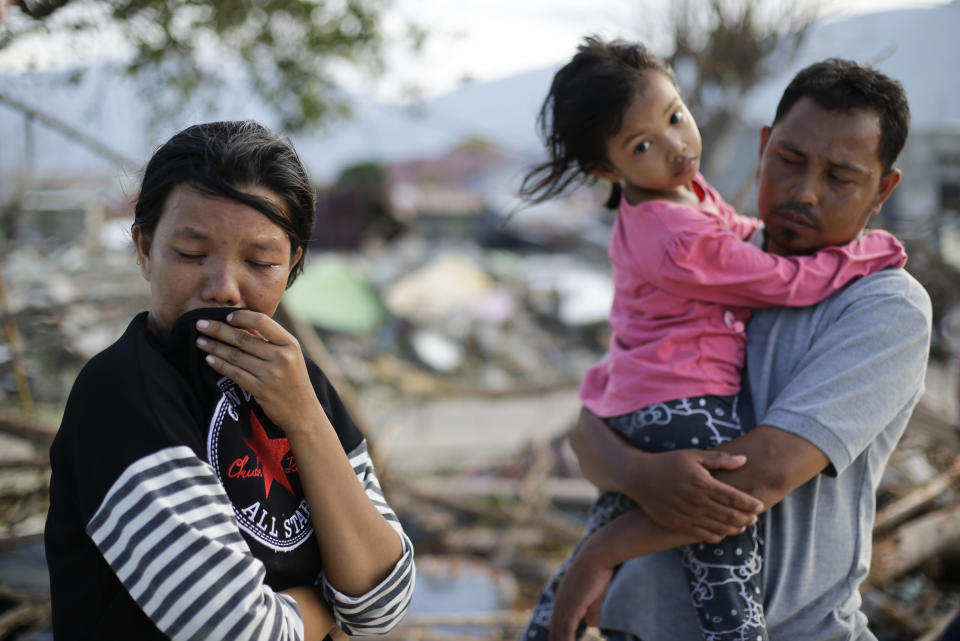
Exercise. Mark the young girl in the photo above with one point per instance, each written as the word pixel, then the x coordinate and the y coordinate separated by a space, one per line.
pixel 685 275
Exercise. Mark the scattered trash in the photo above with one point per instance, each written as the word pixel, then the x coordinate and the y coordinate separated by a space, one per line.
pixel 459 359
pixel 437 351
pixel 335 295
pixel 441 289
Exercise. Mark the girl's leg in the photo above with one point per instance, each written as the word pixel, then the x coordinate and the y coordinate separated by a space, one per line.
pixel 726 586
pixel 726 578
pixel 608 506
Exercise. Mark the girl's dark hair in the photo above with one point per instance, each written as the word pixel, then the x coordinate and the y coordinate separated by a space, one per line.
pixel 222 159
pixel 584 107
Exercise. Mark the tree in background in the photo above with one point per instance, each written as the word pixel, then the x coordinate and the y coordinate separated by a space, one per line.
pixel 289 51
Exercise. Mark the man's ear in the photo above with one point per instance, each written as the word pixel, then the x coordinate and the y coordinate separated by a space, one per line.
pixel 142 244
pixel 764 137
pixel 887 182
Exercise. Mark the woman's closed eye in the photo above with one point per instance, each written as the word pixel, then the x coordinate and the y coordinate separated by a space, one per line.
pixel 260 265
pixel 186 255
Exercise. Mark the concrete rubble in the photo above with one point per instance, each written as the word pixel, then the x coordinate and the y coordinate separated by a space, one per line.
pixel 463 361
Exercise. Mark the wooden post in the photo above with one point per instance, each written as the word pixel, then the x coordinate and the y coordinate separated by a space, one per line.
pixel 13 338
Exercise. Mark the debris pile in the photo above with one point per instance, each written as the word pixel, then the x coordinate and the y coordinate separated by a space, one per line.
pixel 525 516
pixel 483 318
pixel 913 590
pixel 24 487
pixel 427 341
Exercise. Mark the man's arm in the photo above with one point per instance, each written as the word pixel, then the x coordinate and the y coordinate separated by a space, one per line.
pixel 675 488
pixel 777 462
pixel 864 367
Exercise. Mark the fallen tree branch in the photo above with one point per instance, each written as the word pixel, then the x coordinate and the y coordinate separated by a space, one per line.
pixel 570 491
pixel 891 609
pixel 939 624
pixel 479 505
pixel 32 611
pixel 37 432
pixel 12 542
pixel 905 507
pixel 913 543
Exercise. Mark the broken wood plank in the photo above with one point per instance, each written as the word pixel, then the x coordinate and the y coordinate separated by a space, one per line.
pixel 480 506
pixel 16 351
pixel 569 491
pixel 495 617
pixel 905 507
pixel 18 483
pixel 31 610
pixel 529 499
pixel 939 624
pixel 37 432
pixel 489 541
pixel 894 611
pixel 499 624
pixel 10 542
pixel 29 464
pixel 913 543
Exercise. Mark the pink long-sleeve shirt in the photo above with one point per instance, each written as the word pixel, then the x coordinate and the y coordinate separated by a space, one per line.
pixel 684 280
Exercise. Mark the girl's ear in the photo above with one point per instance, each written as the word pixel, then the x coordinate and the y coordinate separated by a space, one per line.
pixel 607 172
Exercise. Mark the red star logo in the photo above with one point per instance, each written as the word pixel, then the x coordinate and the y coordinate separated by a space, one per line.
pixel 270 453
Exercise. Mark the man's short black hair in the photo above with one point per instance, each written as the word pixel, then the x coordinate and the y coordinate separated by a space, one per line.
pixel 836 84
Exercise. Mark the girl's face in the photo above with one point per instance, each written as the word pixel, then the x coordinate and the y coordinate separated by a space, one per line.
pixel 656 152
pixel 213 252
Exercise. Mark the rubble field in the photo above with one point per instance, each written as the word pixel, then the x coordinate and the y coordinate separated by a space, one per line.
pixel 460 362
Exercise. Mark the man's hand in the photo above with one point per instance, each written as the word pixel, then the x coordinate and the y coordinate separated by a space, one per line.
pixel 677 490
pixel 674 488
pixel 579 595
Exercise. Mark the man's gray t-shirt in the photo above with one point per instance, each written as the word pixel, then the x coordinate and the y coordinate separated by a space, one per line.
pixel 845 375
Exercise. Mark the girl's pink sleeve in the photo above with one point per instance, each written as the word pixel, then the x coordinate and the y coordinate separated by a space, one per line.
pixel 742 226
pixel 705 262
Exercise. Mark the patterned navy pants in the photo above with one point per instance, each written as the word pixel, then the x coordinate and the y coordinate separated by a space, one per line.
pixel 725 579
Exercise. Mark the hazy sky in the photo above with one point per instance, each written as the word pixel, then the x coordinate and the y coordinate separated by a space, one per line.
pixel 488 39
pixel 469 39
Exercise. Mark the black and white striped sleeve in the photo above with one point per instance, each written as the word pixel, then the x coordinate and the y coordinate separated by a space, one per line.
pixel 167 529
pixel 381 608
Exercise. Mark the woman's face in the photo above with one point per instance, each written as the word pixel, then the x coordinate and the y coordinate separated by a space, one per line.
pixel 213 252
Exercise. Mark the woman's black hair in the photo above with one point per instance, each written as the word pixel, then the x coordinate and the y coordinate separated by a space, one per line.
pixel 584 107
pixel 222 159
